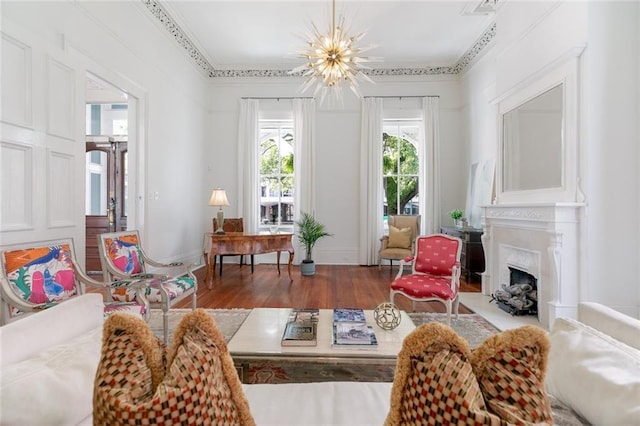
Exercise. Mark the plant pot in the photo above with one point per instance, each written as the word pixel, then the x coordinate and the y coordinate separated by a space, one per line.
pixel 460 223
pixel 307 267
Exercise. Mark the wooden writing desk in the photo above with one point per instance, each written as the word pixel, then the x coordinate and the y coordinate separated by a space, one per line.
pixel 243 243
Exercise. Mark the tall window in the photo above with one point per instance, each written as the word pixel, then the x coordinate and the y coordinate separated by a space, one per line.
pixel 276 174
pixel 400 167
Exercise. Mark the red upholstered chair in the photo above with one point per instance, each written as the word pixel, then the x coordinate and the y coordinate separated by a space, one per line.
pixel 435 274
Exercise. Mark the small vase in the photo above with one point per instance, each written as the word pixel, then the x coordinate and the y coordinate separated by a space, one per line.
pixel 459 223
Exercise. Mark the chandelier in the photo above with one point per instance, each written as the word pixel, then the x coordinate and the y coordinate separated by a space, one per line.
pixel 332 60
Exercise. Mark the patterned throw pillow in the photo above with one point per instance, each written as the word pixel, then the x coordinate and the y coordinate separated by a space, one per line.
pixel 199 385
pixel 439 380
pixel 510 368
pixel 399 238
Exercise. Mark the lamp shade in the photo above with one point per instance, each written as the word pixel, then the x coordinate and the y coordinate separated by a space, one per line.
pixel 218 198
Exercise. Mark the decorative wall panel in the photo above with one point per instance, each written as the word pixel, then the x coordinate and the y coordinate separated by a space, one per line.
pixel 16 82
pixel 61 189
pixel 16 212
pixel 61 100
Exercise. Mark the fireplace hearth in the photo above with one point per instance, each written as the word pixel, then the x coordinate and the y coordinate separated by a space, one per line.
pixel 520 297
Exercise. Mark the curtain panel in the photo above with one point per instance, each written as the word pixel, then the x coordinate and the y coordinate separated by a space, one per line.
pixel 371 196
pixel 430 195
pixel 248 132
pixel 304 128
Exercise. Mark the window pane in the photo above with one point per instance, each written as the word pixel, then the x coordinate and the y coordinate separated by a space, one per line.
pixel 276 174
pixel 96 183
pixel 408 158
pixel 408 192
pixel 270 157
pixel 400 167
pixel 391 194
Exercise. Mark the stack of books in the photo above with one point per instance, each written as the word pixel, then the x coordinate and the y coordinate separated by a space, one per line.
pixel 301 328
pixel 350 329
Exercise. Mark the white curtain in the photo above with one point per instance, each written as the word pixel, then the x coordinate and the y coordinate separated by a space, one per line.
pixel 371 197
pixel 248 132
pixel 430 193
pixel 304 129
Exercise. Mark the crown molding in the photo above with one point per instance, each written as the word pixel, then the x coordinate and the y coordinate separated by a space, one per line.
pixel 159 12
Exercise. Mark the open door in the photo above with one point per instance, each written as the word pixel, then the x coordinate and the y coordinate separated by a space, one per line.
pixel 107 162
pixel 106 207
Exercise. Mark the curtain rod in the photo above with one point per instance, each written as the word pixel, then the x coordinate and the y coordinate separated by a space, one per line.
pixel 277 98
pixel 402 96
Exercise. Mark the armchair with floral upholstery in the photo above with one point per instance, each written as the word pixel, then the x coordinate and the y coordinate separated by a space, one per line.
pixel 123 259
pixel 37 276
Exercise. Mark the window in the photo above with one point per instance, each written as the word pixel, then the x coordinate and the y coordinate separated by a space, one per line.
pixel 276 174
pixel 400 167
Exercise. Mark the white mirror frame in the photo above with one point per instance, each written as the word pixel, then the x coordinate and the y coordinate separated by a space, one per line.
pixel 564 71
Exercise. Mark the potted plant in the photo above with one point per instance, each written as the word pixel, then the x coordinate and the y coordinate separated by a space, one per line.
pixel 309 232
pixel 457 216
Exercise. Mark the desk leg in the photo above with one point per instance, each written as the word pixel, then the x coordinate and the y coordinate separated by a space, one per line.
pixel 290 263
pixel 278 260
pixel 211 269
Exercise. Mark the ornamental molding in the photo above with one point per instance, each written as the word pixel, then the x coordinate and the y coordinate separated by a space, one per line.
pixel 542 213
pixel 155 8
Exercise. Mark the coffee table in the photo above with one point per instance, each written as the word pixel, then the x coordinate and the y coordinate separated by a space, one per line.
pixel 258 339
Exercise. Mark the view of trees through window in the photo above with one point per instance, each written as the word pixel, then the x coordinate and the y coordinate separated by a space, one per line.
pixel 400 167
pixel 276 174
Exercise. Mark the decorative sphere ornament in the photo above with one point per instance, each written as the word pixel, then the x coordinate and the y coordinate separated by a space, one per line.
pixel 387 316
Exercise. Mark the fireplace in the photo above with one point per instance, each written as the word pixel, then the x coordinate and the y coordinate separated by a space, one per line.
pixel 520 297
pixel 540 240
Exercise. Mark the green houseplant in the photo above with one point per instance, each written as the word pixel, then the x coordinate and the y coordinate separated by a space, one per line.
pixel 309 232
pixel 457 216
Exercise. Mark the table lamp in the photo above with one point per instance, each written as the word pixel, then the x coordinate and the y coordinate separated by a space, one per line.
pixel 219 198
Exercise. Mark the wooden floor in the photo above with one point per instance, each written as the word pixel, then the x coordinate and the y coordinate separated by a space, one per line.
pixel 332 286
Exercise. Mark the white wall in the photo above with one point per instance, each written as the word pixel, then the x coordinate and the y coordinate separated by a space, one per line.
pixel 530 36
pixel 612 156
pixel 122 43
pixel 337 151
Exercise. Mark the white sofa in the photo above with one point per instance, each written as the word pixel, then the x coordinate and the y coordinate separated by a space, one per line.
pixel 48 362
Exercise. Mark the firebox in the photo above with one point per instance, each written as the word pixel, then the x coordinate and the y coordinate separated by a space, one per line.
pixel 520 297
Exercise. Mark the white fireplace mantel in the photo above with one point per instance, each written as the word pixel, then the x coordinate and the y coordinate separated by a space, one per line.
pixel 550 233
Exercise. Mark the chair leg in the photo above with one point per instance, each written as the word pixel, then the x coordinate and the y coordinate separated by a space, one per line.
pixel 448 305
pixel 221 262
pixel 165 324
pixel 252 264
pixel 241 260
pixel 456 305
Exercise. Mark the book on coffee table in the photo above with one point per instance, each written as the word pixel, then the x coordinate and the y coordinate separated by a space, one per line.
pixel 348 315
pixel 350 329
pixel 301 328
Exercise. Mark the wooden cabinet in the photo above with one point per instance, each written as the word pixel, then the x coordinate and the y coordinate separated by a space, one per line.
pixel 472 256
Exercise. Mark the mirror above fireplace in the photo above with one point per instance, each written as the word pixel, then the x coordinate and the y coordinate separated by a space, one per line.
pixel 538 136
pixel 532 143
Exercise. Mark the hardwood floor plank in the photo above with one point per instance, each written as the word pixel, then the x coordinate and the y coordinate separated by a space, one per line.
pixel 332 286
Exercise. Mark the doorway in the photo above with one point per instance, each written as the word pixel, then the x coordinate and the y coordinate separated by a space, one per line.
pixel 107 165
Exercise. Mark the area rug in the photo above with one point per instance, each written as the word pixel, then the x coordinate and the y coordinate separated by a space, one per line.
pixel 474 328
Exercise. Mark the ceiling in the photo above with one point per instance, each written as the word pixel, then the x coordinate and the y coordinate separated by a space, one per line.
pixel 240 35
